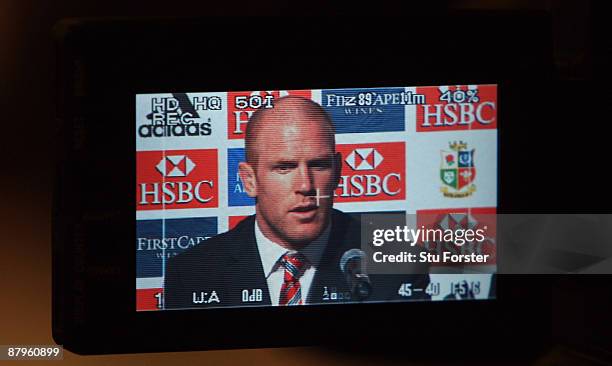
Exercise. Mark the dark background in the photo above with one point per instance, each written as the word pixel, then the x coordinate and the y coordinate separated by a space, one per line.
pixel 578 116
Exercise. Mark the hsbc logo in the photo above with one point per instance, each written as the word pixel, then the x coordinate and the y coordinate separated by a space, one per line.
pixel 177 179
pixel 364 159
pixel 372 172
pixel 175 166
pixel 460 107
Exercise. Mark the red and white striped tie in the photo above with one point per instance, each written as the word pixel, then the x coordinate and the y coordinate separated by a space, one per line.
pixel 291 292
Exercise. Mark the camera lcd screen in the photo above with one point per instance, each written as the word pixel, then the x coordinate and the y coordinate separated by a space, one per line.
pixel 316 197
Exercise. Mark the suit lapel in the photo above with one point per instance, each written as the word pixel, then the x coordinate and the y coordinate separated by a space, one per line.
pixel 245 266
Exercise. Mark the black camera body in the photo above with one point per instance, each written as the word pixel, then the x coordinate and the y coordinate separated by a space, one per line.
pixel 104 64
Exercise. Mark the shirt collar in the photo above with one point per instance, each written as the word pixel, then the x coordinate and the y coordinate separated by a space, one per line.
pixel 270 252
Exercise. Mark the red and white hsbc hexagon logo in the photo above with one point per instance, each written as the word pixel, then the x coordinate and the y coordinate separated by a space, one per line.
pixel 173 179
pixel 456 108
pixel 242 105
pixel 372 172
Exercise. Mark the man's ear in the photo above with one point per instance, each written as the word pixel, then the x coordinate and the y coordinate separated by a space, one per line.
pixel 337 169
pixel 247 175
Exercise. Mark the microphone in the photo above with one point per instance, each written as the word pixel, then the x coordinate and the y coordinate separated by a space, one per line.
pixel 353 268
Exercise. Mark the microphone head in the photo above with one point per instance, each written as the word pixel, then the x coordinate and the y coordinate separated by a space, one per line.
pixel 353 267
pixel 354 254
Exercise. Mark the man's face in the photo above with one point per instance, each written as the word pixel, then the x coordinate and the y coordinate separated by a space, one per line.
pixel 296 163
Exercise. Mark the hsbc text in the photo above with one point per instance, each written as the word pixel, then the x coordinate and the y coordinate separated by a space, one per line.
pixel 458 114
pixel 173 192
pixel 369 185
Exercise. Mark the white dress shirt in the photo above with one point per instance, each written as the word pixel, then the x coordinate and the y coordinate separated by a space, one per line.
pixel 271 253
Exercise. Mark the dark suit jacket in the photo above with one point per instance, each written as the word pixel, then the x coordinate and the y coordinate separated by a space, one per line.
pixel 230 263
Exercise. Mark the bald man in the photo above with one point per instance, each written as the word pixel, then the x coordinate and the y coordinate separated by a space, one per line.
pixel 289 252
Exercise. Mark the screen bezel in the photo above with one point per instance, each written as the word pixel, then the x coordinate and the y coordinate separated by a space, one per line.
pixel 93 323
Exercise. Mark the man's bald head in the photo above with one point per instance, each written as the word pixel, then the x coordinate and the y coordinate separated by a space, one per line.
pixel 287 111
pixel 292 170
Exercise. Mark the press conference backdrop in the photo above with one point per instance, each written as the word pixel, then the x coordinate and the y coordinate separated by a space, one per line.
pixel 429 152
